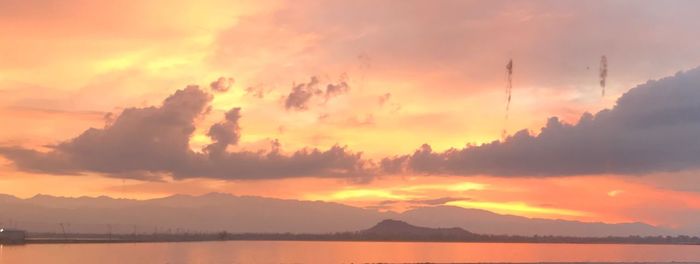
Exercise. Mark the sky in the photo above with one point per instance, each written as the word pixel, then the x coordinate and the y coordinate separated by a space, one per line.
pixel 385 104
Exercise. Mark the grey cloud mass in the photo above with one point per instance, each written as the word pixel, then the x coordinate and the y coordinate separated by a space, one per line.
pixel 147 142
pixel 140 139
pixel 654 127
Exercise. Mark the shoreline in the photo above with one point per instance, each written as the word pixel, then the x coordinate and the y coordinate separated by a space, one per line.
pixel 88 240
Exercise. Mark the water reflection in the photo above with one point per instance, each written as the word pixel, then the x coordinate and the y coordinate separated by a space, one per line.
pixel 339 252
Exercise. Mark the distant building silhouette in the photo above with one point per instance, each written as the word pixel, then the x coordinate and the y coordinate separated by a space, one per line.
pixel 12 236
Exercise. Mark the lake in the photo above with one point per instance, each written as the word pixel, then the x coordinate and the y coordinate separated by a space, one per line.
pixel 340 252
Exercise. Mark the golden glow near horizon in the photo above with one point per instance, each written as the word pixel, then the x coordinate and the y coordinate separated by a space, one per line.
pixel 437 81
pixel 517 208
pixel 365 194
pixel 414 193
pixel 397 192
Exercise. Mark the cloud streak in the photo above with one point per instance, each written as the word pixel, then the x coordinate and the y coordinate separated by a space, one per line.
pixel 603 73
pixel 509 85
pixel 147 142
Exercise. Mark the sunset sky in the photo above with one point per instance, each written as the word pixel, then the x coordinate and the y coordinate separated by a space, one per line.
pixel 388 105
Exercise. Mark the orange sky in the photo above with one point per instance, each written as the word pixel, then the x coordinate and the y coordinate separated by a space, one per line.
pixel 64 65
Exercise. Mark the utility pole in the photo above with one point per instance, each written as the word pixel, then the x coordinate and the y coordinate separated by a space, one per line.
pixel 63 229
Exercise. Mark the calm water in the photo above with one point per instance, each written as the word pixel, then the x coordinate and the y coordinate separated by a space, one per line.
pixel 338 252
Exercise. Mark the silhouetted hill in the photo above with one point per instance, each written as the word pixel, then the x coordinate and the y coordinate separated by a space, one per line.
pixel 400 230
pixel 394 230
pixel 485 222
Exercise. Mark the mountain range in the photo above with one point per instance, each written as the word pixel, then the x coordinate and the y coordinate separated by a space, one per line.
pixel 240 214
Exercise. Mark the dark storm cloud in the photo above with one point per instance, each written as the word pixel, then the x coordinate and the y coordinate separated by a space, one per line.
pixel 146 142
pixel 654 127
